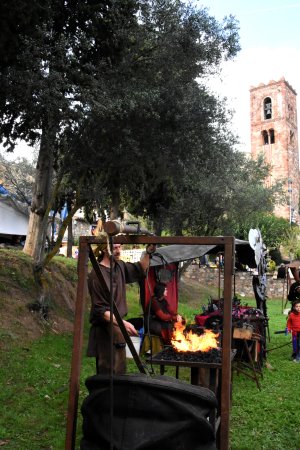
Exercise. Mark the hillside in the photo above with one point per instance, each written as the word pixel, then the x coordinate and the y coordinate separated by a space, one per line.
pixel 18 295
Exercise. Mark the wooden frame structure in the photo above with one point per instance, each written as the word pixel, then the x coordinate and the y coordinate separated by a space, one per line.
pixel 85 243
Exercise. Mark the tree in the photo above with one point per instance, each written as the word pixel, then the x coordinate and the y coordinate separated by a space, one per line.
pixel 193 157
pixel 18 177
pixel 158 116
pixel 273 229
pixel 42 82
pixel 291 242
pixel 251 198
pixel 33 107
pixel 220 192
pixel 107 81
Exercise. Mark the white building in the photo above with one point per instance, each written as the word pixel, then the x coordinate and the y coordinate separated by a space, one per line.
pixel 14 217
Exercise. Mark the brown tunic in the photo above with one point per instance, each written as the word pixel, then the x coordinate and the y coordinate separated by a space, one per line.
pixel 99 337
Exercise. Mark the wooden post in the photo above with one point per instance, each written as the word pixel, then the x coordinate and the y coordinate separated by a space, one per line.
pixel 226 347
pixel 77 346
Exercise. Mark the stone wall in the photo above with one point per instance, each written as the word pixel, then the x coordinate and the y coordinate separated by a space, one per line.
pixel 243 281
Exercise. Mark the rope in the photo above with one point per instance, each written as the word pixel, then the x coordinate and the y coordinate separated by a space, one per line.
pixel 280 346
pixel 111 378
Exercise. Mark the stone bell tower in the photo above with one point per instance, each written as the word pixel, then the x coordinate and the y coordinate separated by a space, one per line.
pixel 274 133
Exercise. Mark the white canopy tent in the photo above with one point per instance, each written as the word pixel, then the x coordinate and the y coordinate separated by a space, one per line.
pixel 14 217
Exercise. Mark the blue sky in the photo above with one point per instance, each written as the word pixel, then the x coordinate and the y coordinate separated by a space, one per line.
pixel 270 41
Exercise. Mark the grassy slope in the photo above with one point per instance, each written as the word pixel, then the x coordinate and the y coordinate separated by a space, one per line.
pixel 18 292
pixel 34 378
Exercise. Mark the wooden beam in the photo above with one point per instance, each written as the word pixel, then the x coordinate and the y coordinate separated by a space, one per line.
pixel 77 345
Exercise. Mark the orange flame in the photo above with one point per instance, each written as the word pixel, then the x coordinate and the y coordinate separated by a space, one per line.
pixel 192 342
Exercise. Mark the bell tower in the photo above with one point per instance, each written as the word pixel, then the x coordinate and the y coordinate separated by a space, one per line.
pixel 274 133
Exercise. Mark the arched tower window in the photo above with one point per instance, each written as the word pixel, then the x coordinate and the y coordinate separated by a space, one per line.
pixel 272 136
pixel 267 108
pixel 265 137
pixel 268 137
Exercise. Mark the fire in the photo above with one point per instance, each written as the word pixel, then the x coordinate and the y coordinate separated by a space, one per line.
pixel 192 342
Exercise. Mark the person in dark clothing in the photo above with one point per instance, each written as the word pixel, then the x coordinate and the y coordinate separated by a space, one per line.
pixel 100 331
pixel 160 318
pixel 281 272
pixel 294 292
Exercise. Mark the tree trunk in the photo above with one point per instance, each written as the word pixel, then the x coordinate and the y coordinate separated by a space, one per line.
pixel 158 226
pixel 178 230
pixel 38 220
pixel 70 239
pixel 61 233
pixel 115 199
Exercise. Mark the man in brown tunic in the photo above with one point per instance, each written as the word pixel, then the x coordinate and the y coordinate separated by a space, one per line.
pixel 99 337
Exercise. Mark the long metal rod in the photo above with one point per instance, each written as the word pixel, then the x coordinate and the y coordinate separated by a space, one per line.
pixel 77 346
pixel 111 379
pixel 219 278
pixel 226 347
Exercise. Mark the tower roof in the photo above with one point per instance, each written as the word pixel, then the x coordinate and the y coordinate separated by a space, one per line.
pixel 273 82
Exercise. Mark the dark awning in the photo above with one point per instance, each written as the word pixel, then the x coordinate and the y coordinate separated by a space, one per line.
pixel 179 253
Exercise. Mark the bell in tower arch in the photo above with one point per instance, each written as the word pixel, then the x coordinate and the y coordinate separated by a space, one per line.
pixel 267 108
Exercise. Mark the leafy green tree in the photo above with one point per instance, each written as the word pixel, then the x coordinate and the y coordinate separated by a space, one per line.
pixel 146 127
pixel 47 83
pixel 183 175
pixel 106 88
pixel 18 177
pixel 273 229
pixel 252 198
pixel 291 242
pixel 221 192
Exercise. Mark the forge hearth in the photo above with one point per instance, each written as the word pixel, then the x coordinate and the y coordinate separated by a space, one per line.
pixel 172 357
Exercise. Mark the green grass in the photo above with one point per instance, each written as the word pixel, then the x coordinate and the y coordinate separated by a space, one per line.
pixel 13 271
pixel 66 267
pixel 268 419
pixel 34 392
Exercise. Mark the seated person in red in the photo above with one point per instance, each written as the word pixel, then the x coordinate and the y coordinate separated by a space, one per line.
pixel 159 319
